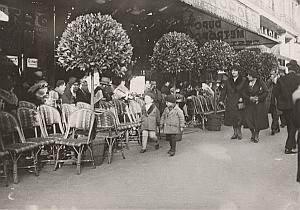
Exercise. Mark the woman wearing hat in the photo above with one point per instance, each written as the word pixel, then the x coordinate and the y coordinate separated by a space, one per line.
pixel 232 95
pixel 69 96
pixel 255 113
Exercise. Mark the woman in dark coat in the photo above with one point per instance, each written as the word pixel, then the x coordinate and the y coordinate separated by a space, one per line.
pixel 231 94
pixel 255 113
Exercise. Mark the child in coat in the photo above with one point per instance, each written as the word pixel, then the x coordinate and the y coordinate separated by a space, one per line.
pixel 149 121
pixel 172 123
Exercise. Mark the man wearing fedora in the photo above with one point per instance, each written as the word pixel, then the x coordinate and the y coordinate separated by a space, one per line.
pixel 105 87
pixel 283 91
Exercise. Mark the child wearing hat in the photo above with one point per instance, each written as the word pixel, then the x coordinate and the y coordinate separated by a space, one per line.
pixel 149 121
pixel 172 123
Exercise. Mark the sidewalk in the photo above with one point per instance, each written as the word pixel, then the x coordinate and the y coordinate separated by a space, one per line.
pixel 209 171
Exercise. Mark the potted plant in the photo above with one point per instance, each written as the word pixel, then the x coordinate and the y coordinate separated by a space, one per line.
pixel 215 56
pixel 95 42
pixel 173 53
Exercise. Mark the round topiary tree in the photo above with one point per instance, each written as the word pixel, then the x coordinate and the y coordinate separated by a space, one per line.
pixel 95 42
pixel 247 60
pixel 173 53
pixel 215 56
pixel 268 62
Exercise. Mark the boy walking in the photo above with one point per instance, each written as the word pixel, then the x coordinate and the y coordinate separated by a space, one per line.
pixel 172 123
pixel 149 121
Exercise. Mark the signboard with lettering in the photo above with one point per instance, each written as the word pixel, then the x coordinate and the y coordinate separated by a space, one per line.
pixel 203 27
pixel 231 10
pixel 4 15
pixel 32 62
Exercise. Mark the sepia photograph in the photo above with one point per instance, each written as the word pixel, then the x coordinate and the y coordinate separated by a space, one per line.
pixel 149 104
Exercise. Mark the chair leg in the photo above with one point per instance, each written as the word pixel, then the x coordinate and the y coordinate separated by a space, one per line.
pixel 15 168
pixel 122 150
pixel 110 143
pixel 5 171
pixel 127 138
pixel 92 156
pixel 57 158
pixel 35 161
pixel 79 160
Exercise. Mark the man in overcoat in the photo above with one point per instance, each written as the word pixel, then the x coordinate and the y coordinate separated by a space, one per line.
pixel 283 91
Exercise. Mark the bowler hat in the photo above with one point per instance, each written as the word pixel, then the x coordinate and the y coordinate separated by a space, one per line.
pixel 171 99
pixel 292 65
pixel 105 81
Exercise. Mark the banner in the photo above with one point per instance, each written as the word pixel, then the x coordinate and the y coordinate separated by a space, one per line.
pixel 231 10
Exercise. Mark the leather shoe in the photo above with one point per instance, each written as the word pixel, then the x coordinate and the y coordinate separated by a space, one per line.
pixel 172 153
pixel 142 150
pixel 290 151
pixel 156 146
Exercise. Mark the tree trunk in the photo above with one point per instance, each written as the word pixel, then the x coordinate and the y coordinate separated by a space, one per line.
pixel 174 85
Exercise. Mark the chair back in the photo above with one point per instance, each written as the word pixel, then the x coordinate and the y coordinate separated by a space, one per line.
pixel 81 119
pixel 51 117
pixel 83 105
pixel 67 110
pixel 106 120
pixel 104 105
pixel 31 118
pixel 27 104
pixel 9 126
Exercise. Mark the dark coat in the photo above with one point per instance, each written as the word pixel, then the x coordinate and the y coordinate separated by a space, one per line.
pixel 256 114
pixel 271 101
pixel 158 99
pixel 284 89
pixel 83 96
pixel 231 93
pixel 150 121
pixel 67 97
pixel 172 120
pixel 296 120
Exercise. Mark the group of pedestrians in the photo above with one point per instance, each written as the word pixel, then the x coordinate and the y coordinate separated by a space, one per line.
pixel 248 101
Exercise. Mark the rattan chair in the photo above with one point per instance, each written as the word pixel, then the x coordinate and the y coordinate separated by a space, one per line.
pixel 16 144
pixel 66 111
pixel 3 161
pixel 83 105
pixel 51 117
pixel 107 129
pixel 83 120
pixel 27 104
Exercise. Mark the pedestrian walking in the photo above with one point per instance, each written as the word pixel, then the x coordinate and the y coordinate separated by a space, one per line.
pixel 149 121
pixel 296 120
pixel 271 102
pixel 172 123
pixel 283 91
pixel 255 113
pixel 231 95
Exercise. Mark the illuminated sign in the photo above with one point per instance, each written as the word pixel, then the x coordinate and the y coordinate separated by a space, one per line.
pixel 32 62
pixel 4 15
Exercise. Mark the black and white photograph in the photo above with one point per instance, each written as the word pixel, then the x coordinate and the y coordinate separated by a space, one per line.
pixel 150 104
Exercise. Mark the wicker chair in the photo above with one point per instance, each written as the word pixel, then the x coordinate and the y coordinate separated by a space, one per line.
pixel 3 161
pixel 82 119
pixel 9 127
pixel 67 110
pixel 27 104
pixel 107 129
pixel 51 117
pixel 83 105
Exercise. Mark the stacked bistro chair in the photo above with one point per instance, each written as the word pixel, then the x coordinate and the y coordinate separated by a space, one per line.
pixel 79 120
pixel 125 121
pixel 15 143
pixel 27 104
pixel 3 162
pixel 66 111
pixel 104 105
pixel 107 129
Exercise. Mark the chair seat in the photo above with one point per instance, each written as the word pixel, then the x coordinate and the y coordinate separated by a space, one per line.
pixel 126 126
pixel 72 142
pixel 106 134
pixel 42 141
pixel 22 147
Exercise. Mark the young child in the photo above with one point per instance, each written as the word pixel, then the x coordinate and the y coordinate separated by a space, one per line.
pixel 172 123
pixel 149 121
